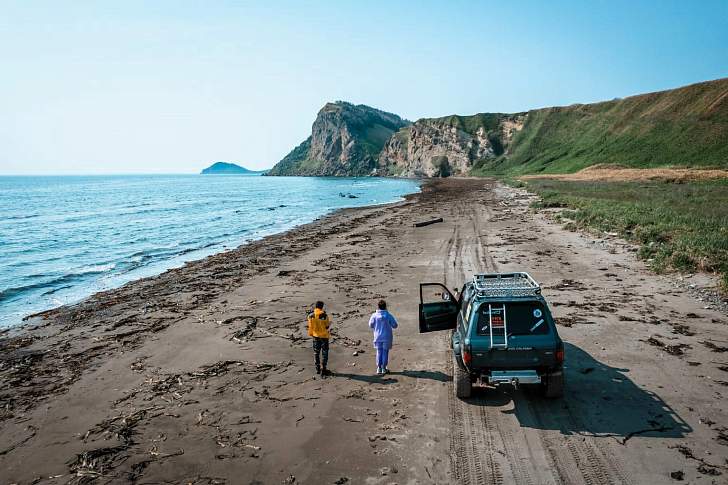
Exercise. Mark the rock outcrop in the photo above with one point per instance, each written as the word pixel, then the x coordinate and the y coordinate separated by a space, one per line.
pixel 345 140
pixel 440 147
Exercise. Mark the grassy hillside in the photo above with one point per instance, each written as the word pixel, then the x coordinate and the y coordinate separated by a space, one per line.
pixel 291 162
pixel 471 124
pixel 681 127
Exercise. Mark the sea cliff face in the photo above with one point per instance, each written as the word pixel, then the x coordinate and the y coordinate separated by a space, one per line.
pixel 345 140
pixel 441 147
pixel 681 127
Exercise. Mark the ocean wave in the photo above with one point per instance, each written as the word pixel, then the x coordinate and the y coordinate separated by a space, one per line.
pixel 9 293
pixel 93 216
pixel 56 290
pixel 54 282
pixel 150 256
pixel 96 268
pixel 198 248
pixel 19 217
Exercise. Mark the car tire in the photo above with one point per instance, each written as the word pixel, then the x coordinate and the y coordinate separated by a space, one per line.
pixel 553 385
pixel 461 380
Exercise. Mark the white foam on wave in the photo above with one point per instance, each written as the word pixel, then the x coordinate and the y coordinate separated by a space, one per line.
pixel 96 268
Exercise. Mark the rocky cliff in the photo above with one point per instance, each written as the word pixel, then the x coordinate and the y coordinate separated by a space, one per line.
pixel 686 127
pixel 440 147
pixel 345 139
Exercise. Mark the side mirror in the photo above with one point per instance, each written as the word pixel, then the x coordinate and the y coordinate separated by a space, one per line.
pixel 445 296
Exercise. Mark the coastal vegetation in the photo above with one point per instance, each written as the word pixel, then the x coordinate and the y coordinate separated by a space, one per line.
pixel 679 226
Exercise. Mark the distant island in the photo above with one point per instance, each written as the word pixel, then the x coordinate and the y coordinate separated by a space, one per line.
pixel 225 168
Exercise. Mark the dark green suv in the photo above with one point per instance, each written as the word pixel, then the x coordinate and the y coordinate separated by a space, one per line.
pixel 503 332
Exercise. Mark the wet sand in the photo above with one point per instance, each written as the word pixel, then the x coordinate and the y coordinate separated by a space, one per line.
pixel 204 374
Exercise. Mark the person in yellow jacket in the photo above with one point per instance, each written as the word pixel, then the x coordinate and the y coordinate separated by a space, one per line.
pixel 318 328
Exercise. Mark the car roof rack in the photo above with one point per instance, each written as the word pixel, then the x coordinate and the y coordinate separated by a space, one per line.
pixel 505 284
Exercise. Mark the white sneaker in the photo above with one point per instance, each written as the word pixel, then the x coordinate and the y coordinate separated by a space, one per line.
pixel 385 370
pixel 380 371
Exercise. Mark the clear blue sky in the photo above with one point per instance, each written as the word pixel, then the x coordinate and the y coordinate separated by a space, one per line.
pixel 170 86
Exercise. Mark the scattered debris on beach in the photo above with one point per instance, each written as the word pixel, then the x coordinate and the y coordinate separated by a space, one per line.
pixel 210 363
pixel 427 223
pixel 674 349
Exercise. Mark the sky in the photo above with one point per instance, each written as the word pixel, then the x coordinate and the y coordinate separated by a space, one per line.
pixel 130 86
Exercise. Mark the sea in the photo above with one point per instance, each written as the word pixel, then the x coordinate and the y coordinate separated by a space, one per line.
pixel 63 238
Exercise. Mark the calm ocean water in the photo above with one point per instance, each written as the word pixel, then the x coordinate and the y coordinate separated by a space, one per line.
pixel 64 238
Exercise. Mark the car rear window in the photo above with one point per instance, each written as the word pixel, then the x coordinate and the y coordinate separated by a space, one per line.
pixel 521 318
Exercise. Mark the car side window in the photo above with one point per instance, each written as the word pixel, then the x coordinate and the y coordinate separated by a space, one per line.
pixel 468 313
pixel 466 295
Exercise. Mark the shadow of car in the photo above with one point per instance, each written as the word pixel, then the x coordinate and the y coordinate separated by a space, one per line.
pixel 599 401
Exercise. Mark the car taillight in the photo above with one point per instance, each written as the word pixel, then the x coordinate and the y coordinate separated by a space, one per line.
pixel 560 356
pixel 467 358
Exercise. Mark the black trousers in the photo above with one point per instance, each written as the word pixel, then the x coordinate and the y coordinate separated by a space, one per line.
pixel 321 351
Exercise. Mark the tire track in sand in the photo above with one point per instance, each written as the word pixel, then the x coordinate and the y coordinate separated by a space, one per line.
pixel 472 435
pixel 472 451
pixel 588 461
pixel 482 435
pixel 520 464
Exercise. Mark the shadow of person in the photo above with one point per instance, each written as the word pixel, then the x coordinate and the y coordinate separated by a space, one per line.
pixel 386 379
pixel 371 379
pixel 599 401
pixel 424 374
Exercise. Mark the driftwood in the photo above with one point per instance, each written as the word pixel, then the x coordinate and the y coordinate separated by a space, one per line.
pixel 427 223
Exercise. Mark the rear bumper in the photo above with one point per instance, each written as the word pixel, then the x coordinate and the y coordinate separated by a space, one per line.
pixel 514 377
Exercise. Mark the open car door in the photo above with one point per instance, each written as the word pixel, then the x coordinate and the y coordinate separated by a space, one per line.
pixel 438 308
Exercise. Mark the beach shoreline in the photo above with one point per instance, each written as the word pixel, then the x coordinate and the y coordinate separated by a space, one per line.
pixel 130 234
pixel 204 373
pixel 27 320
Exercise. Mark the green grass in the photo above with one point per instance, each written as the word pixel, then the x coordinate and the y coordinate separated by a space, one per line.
pixel 403 135
pixel 471 124
pixel 374 137
pixel 513 182
pixel 679 226
pixel 685 127
pixel 293 160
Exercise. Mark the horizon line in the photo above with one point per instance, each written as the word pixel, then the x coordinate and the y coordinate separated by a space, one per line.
pixel 95 174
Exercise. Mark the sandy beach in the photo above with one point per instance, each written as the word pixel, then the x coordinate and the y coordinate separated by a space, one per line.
pixel 204 374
